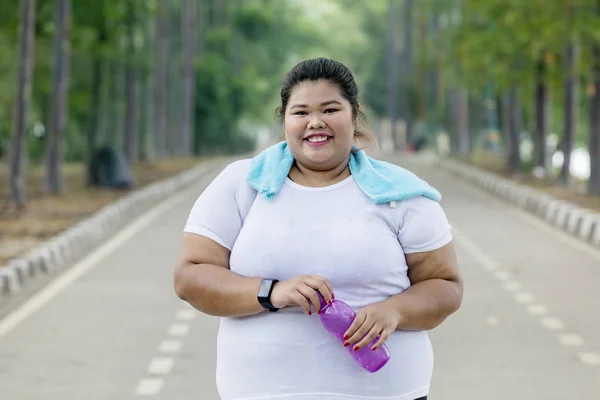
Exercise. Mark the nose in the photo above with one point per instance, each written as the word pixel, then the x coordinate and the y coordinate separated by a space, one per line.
pixel 316 123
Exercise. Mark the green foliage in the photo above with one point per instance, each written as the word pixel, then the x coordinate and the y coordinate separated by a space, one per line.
pixel 247 52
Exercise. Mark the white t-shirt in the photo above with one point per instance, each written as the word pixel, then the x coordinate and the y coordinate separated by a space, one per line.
pixel 336 232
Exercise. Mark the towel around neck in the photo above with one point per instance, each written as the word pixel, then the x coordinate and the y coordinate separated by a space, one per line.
pixel 382 182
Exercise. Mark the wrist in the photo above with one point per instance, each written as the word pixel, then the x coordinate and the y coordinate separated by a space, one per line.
pixel 395 308
pixel 264 295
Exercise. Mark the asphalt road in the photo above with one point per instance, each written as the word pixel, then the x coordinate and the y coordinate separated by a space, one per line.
pixel 112 328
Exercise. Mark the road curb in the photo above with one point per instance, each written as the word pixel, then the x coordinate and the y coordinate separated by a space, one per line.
pixel 579 222
pixel 78 240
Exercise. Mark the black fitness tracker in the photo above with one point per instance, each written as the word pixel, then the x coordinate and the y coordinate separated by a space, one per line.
pixel 264 294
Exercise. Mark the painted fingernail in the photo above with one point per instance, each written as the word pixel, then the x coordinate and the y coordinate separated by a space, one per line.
pixel 346 344
pixel 310 313
pixel 345 337
pixel 355 348
pixel 373 349
pixel 332 296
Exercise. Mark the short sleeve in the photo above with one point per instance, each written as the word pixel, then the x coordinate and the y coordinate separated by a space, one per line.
pixel 215 213
pixel 424 227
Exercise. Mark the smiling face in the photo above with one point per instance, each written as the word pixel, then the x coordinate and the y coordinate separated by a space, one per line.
pixel 319 125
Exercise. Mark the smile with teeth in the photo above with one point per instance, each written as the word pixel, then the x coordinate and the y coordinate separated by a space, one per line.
pixel 317 139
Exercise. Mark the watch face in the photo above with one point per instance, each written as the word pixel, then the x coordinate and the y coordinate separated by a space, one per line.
pixel 265 286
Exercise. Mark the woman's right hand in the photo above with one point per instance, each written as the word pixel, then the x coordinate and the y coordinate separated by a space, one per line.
pixel 301 291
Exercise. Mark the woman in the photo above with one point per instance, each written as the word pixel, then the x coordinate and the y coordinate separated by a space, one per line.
pixel 259 264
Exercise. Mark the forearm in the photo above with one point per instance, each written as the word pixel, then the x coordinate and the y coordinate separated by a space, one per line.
pixel 215 290
pixel 426 304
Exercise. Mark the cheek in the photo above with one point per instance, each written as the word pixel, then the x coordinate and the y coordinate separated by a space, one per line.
pixel 293 125
pixel 342 124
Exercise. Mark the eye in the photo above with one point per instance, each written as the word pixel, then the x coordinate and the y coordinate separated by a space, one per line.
pixel 300 113
pixel 330 110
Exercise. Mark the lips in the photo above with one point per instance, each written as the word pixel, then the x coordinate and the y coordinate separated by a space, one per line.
pixel 318 137
pixel 318 140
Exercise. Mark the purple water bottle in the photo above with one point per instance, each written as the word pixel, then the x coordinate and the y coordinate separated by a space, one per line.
pixel 337 318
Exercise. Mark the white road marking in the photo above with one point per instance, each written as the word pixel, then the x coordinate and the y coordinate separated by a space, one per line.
pixel 502 275
pixel 524 297
pixel 170 346
pixel 64 280
pixel 161 365
pixel 149 387
pixel 548 322
pixel 179 330
pixel 570 339
pixel 537 310
pixel 590 358
pixel 552 323
pixel 186 315
pixel 512 286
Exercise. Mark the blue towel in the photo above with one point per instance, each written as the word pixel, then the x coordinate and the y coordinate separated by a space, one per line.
pixel 381 181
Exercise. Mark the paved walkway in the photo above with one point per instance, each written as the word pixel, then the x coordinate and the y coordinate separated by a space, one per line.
pixel 112 328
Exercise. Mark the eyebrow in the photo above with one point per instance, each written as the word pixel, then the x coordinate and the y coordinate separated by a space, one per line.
pixel 322 104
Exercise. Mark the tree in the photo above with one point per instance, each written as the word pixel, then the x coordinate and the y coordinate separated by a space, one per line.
pixel 594 115
pixel 130 142
pixel 161 78
pixel 58 106
pixel 189 34
pixel 22 103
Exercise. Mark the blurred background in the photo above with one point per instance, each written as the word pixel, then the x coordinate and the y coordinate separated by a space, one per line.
pixel 507 85
pixel 101 97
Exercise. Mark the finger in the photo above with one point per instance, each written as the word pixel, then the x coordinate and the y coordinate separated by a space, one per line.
pixel 383 337
pixel 301 301
pixel 310 294
pixel 357 323
pixel 371 335
pixel 360 332
pixel 321 284
pixel 329 289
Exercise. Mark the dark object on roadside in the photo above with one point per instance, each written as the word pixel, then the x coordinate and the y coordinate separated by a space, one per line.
pixel 109 168
pixel 419 143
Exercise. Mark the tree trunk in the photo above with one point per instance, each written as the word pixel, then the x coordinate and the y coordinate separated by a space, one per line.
pixel 59 106
pixel 160 79
pixel 433 83
pixel 542 108
pixel 145 127
pixel 594 118
pixel 392 73
pixel 174 79
pixel 96 99
pixel 407 73
pixel 570 116
pixel 189 34
pixel 131 77
pixel 452 107
pixel 22 104
pixel 513 130
pixel 462 122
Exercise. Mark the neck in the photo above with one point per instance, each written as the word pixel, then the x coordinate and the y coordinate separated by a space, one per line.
pixel 308 177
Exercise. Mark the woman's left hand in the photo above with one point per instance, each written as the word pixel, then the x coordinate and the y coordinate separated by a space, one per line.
pixel 378 319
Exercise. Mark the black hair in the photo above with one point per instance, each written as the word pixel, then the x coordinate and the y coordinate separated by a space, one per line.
pixel 329 70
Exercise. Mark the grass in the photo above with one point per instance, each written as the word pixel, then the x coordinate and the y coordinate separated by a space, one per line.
pixel 45 216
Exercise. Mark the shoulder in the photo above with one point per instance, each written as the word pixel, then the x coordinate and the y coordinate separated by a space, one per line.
pixel 235 178
pixel 238 170
pixel 420 204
